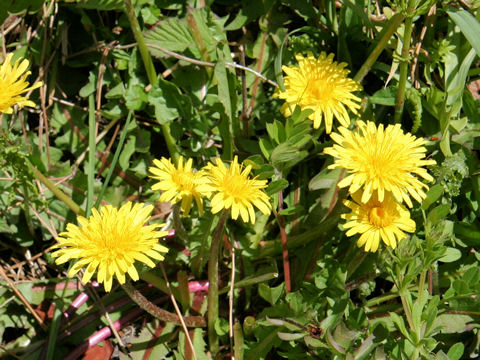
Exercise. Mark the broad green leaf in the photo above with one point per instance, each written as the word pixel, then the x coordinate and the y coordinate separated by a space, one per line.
pixel 469 233
pixel 469 26
pixel 433 195
pixel 438 213
pixel 325 179
pixel 456 351
pixel 451 255
pixel 384 96
pixel 276 186
pixel 172 34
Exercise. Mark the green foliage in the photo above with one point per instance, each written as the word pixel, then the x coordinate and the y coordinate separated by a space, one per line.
pixel 417 301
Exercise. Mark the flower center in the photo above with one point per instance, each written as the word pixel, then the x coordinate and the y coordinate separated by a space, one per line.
pixel 319 89
pixel 378 217
pixel 234 185
pixel 184 180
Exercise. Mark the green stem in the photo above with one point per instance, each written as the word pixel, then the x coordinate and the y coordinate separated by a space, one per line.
pixel 212 298
pixel 91 154
pixel 142 47
pixel 154 310
pixel 119 149
pixel 26 209
pixel 177 223
pixel 152 75
pixel 238 341
pixel 402 82
pixel 56 191
pixel 384 35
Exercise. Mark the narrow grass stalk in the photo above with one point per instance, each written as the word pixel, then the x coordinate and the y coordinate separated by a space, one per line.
pixel 402 82
pixel 123 135
pixel 175 305
pixel 152 75
pixel 56 191
pixel 212 307
pixel 92 149
pixel 384 35
pixel 26 208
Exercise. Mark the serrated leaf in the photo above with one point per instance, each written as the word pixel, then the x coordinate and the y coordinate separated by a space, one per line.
pixel 172 34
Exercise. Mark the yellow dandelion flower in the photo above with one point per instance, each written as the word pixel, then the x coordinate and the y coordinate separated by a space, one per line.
pixel 13 82
pixel 177 183
pixel 233 188
pixel 375 220
pixel 321 85
pixel 111 241
pixel 381 159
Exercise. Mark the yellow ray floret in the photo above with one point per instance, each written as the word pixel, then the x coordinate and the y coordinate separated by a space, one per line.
pixel 322 85
pixel 387 220
pixel 378 159
pixel 233 188
pixel 110 241
pixel 13 82
pixel 178 183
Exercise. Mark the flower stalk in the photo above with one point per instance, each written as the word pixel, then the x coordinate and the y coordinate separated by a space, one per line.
pixel 56 191
pixel 402 82
pixel 386 34
pixel 212 298
pixel 154 310
pixel 150 69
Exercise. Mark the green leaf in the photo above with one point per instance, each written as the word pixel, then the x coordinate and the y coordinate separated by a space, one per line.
pixel 469 26
pixel 266 147
pixel 172 34
pixel 451 255
pixel 384 96
pixel 290 336
pixel 456 351
pixel 292 210
pixel 325 179
pixel 285 156
pixel 276 186
pixel 270 294
pixel 438 213
pixel 98 4
pixel 169 102
pixel 469 233
pixel 433 195
pixel 135 97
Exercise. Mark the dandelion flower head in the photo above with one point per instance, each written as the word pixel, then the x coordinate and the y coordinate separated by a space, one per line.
pixel 178 183
pixel 13 82
pixel 233 188
pixel 111 240
pixel 374 220
pixel 382 160
pixel 322 85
